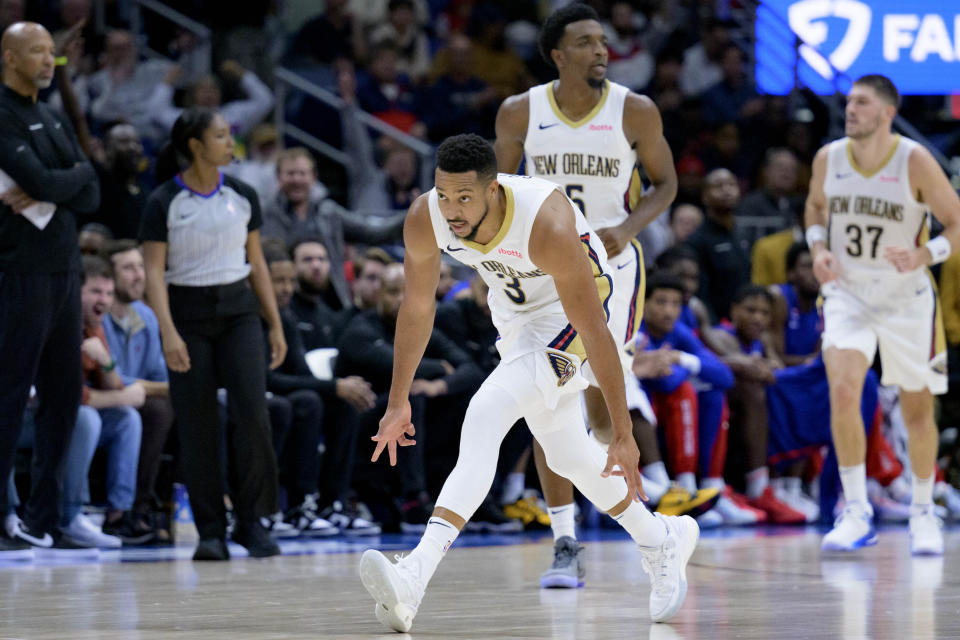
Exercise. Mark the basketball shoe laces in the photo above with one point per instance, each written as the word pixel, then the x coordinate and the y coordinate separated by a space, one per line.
pixel 411 577
pixel 563 556
pixel 656 563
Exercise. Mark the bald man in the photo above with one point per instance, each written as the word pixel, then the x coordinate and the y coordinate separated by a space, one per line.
pixel 723 257
pixel 40 325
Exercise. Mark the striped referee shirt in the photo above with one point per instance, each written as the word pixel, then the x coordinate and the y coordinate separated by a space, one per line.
pixel 206 233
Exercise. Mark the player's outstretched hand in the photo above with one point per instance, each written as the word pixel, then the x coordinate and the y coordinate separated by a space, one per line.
pixel 906 260
pixel 623 453
pixel 395 426
pixel 826 267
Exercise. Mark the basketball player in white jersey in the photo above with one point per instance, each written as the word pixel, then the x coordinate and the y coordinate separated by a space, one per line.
pixel 587 135
pixel 549 282
pixel 866 217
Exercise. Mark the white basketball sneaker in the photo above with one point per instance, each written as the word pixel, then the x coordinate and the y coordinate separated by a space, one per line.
pixel 852 529
pixel 397 588
pixel 926 537
pixel 667 565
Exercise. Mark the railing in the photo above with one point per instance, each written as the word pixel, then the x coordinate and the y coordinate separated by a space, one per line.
pixel 201 32
pixel 286 79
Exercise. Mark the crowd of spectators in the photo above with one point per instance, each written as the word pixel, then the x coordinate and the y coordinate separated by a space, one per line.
pixel 730 322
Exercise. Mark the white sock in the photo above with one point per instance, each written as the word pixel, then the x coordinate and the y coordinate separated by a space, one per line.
pixel 687 481
pixel 562 521
pixel 714 483
pixel 922 491
pixel 793 485
pixel 513 487
pixel 642 525
pixel 438 537
pixel 657 471
pixel 854 481
pixel 757 482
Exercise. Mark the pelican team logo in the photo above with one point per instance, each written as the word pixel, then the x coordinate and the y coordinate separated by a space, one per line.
pixel 808 19
pixel 562 366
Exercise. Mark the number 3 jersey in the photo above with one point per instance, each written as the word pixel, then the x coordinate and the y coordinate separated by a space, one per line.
pixel 524 303
pixel 872 211
pixel 590 158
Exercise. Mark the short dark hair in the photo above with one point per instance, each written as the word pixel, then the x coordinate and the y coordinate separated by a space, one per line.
pixel 882 85
pixel 302 240
pixel 400 4
pixel 663 280
pixel 176 155
pixel 796 250
pixel 374 254
pixel 556 24
pixel 96 267
pixel 677 253
pixel 274 250
pixel 465 153
pixel 115 247
pixel 752 291
pixel 97 228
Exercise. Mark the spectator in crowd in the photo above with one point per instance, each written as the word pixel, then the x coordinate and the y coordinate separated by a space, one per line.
pixel 319 324
pixel 686 382
pixel 796 325
pixel 366 349
pixel 664 87
pixel 684 220
pixel 753 364
pixel 402 30
pixel 724 261
pixel 242 115
pixel 333 35
pixel 205 278
pixel 298 400
pixel 302 209
pixel 318 327
pixel 123 89
pixel 372 13
pixel 123 189
pixel 734 98
pixel 460 102
pixel 107 418
pixel 39 265
pixel 774 207
pixel 369 280
pixel 93 238
pixel 375 189
pixel 629 63
pixel 133 335
pixel 259 168
pixel 387 93
pixel 701 62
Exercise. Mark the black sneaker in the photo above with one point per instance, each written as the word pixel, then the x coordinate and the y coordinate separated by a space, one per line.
pixel 17 528
pixel 490 518
pixel 212 549
pixel 255 538
pixel 348 522
pixel 14 549
pixel 132 529
pixel 414 516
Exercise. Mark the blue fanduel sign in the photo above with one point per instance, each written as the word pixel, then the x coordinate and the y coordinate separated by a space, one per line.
pixel 915 43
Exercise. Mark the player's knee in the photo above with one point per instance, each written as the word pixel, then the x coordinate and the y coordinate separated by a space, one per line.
pixel 845 396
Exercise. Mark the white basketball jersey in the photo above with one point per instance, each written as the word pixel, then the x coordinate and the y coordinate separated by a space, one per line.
pixel 871 211
pixel 524 303
pixel 591 159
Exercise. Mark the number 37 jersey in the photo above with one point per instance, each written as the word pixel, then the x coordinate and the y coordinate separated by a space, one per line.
pixel 871 211
pixel 524 303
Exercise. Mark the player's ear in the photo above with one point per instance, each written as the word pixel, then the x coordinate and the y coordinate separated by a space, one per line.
pixel 557 56
pixel 492 189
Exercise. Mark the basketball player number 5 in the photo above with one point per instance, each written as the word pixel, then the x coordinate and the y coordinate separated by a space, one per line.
pixel 575 190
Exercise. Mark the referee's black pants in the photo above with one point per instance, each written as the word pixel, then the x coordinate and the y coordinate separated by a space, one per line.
pixel 224 337
pixel 40 336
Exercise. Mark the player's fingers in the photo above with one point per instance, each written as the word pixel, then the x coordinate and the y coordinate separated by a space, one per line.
pixel 410 430
pixel 638 485
pixel 378 450
pixel 607 469
pixel 392 452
